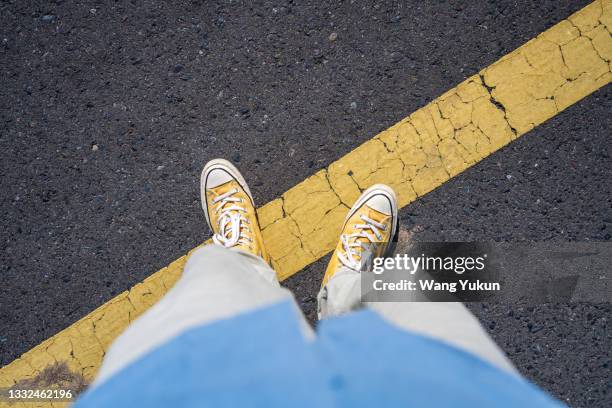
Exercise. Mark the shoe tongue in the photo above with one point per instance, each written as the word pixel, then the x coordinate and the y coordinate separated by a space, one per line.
pixel 230 219
pixel 363 256
pixel 244 232
pixel 367 246
pixel 362 240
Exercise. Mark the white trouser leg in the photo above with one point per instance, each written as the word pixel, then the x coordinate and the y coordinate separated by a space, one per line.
pixel 450 322
pixel 340 295
pixel 217 283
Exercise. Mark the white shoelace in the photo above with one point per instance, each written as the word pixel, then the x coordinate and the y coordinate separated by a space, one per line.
pixel 231 221
pixel 353 247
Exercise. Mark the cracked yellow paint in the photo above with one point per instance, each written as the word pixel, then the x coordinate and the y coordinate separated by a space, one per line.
pixel 270 213
pixel 461 127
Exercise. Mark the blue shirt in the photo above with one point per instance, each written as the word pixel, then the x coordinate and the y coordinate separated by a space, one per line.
pixel 261 359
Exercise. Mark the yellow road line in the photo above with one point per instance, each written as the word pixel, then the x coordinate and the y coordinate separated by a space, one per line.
pixel 466 124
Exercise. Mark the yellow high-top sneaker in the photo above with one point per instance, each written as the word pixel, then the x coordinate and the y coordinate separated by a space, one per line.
pixel 229 208
pixel 371 224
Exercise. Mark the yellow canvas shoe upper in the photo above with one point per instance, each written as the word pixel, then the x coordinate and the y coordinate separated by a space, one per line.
pixel 231 214
pixel 365 229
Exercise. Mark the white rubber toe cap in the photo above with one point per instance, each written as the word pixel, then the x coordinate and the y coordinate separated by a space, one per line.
pixel 217 177
pixel 380 203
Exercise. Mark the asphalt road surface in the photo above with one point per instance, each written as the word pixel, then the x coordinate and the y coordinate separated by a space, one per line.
pixel 108 111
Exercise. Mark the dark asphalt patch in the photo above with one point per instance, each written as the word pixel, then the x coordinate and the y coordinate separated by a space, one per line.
pixel 108 111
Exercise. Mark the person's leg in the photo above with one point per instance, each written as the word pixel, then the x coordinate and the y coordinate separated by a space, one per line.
pixel 218 282
pixel 341 294
pixel 448 322
pixel 371 225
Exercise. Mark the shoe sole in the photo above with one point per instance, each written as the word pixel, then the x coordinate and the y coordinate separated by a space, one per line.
pixel 232 170
pixel 390 195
